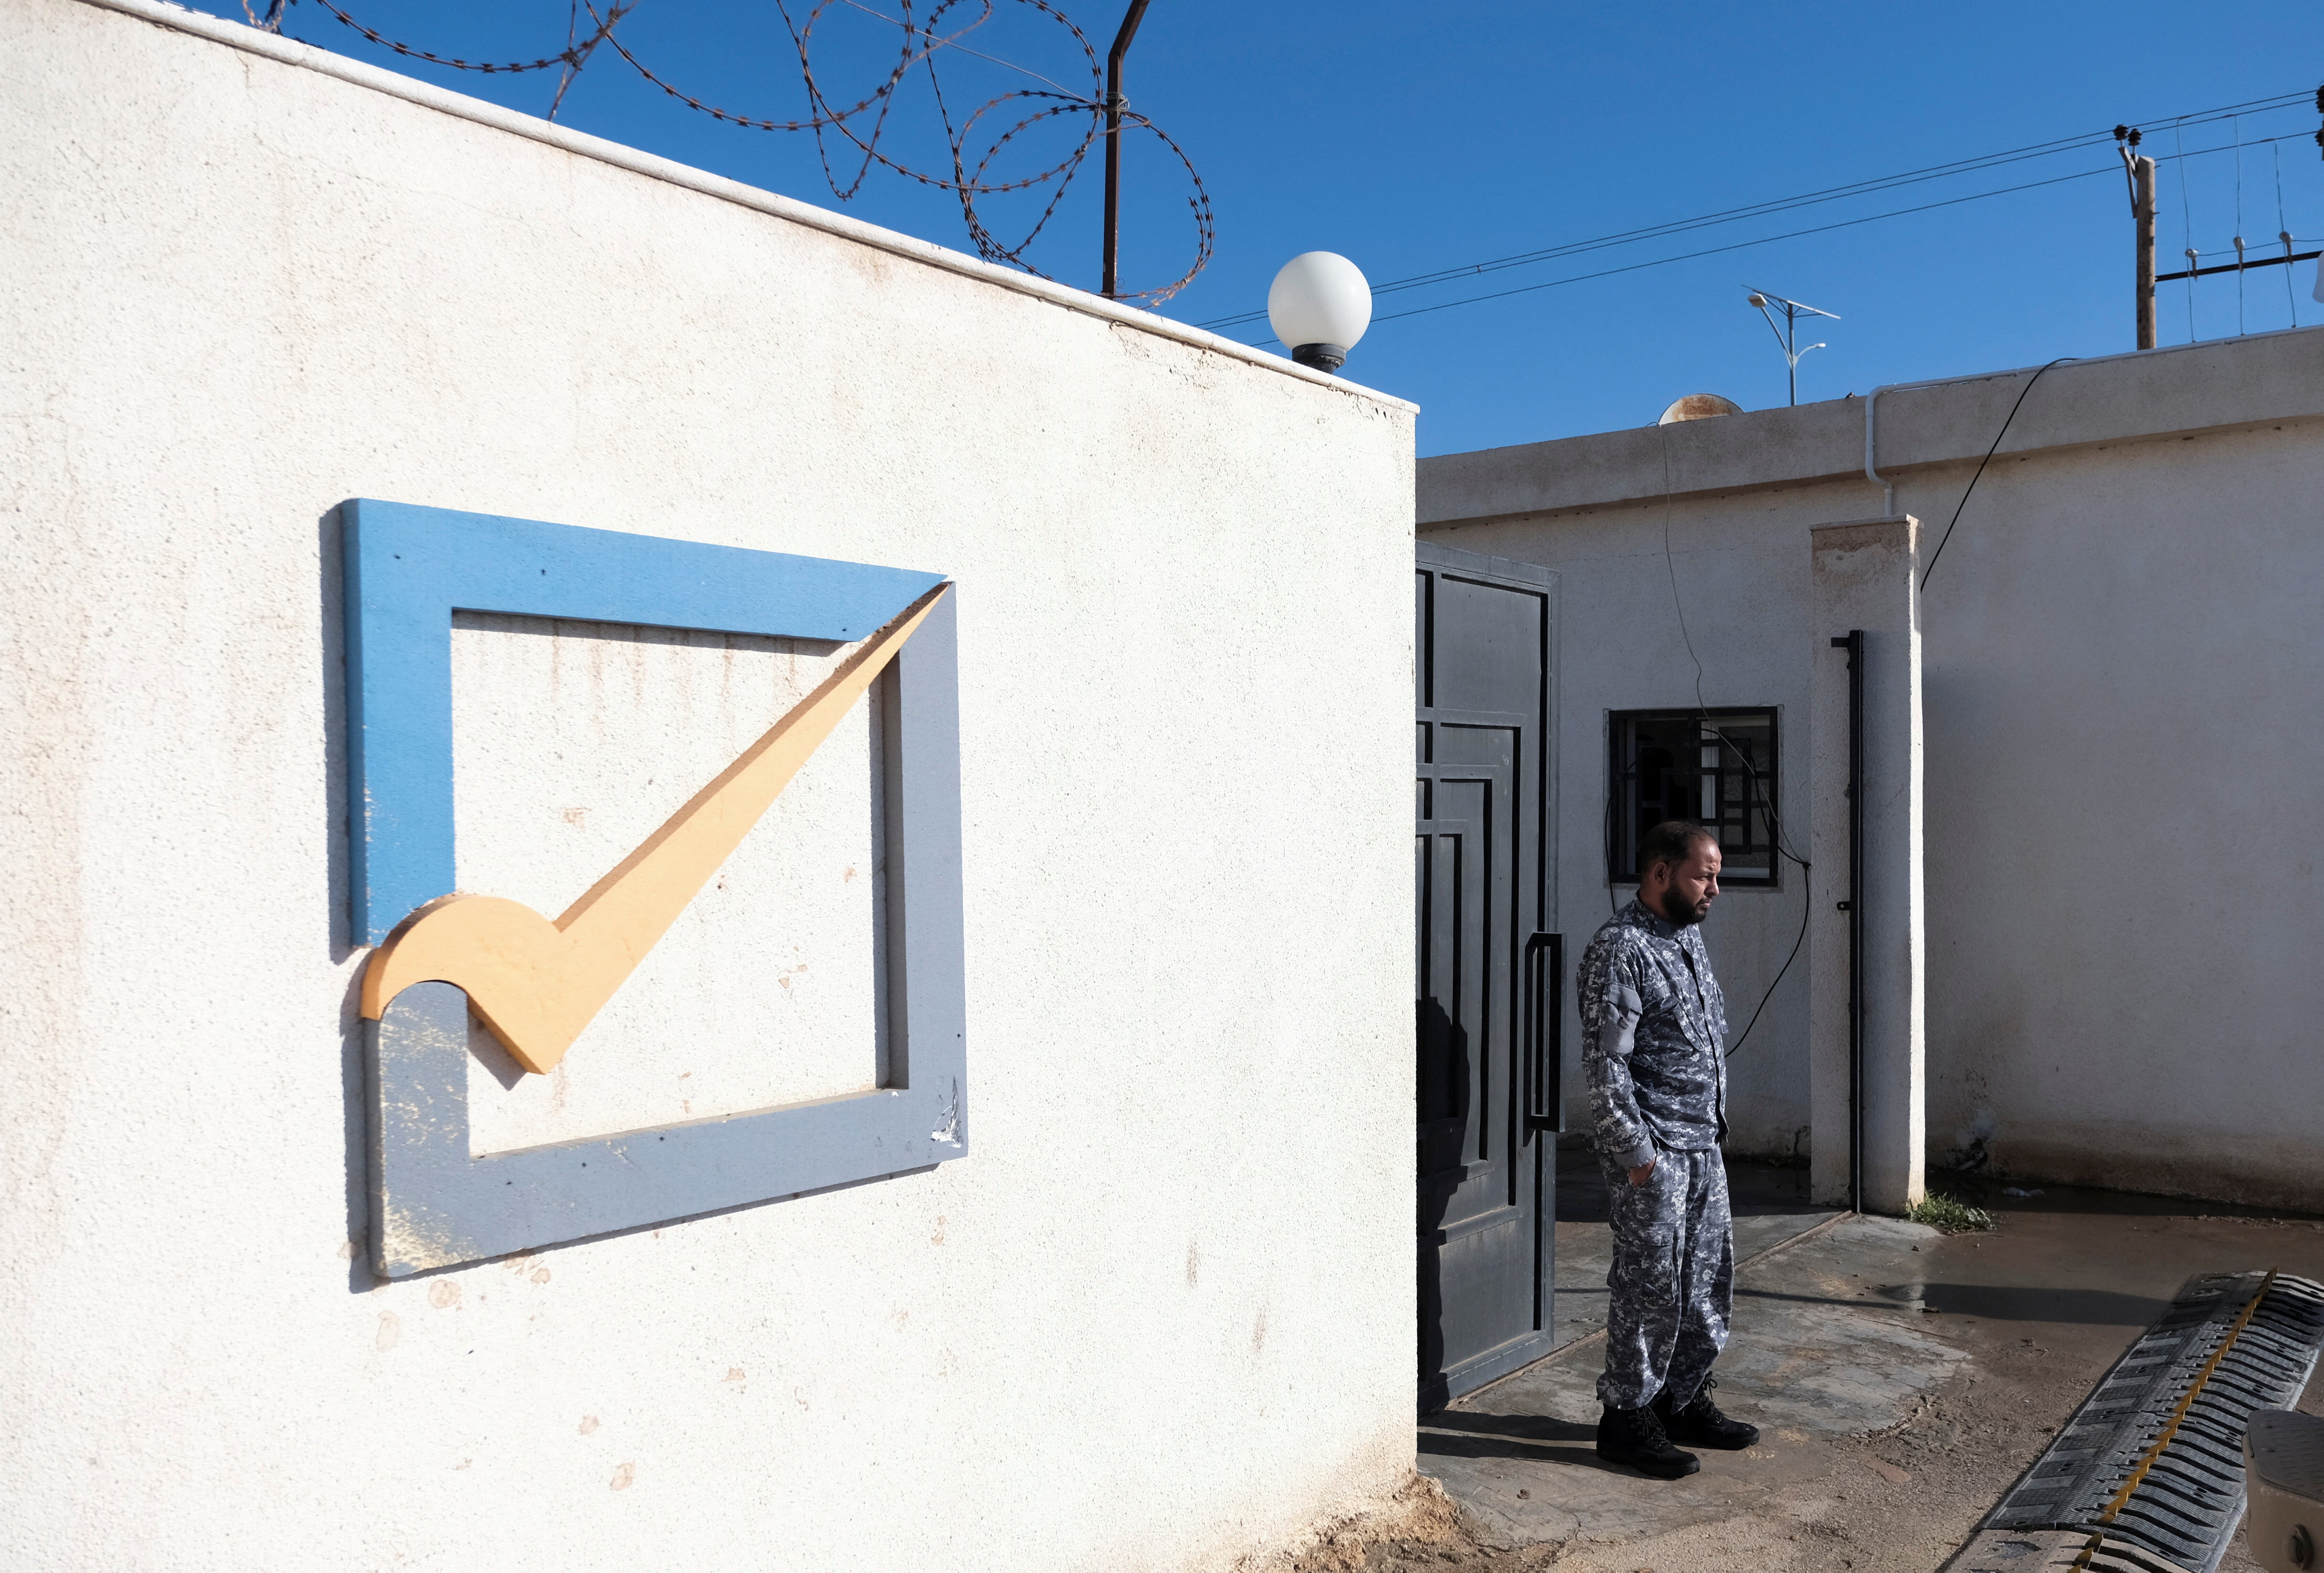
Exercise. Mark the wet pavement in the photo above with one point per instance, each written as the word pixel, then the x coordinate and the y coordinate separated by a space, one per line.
pixel 1903 1378
pixel 1770 1205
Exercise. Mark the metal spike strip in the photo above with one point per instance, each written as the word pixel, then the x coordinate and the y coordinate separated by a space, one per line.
pixel 2148 1474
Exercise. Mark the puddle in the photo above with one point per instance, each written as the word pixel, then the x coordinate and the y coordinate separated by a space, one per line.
pixel 2003 1302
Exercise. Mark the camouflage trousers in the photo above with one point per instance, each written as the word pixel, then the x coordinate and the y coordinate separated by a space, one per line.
pixel 1673 1281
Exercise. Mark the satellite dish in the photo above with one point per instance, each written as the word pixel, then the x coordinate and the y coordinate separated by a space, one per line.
pixel 2317 292
pixel 1699 407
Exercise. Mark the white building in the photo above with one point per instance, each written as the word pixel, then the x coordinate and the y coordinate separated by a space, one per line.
pixel 2116 670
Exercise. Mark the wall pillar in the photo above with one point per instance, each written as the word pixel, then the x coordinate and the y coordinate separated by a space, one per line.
pixel 1865 576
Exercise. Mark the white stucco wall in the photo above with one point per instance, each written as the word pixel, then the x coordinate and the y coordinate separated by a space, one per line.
pixel 2119 660
pixel 1162 1315
pixel 1621 647
pixel 2122 772
pixel 572 743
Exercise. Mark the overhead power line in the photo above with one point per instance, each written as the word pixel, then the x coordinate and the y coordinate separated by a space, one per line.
pixel 1765 209
pixel 1789 234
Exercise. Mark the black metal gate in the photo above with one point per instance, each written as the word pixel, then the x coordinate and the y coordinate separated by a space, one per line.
pixel 1489 968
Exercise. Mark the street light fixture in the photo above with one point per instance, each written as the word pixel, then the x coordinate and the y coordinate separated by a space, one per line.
pixel 1320 305
pixel 1793 311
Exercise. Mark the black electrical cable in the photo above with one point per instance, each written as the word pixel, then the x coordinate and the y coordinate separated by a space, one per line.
pixel 1980 469
pixel 1806 905
pixel 1613 908
pixel 1806 878
pixel 1766 798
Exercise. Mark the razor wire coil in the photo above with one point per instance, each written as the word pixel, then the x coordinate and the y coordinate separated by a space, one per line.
pixel 972 149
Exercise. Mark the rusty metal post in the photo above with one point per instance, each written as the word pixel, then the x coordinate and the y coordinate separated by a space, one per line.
pixel 2141 208
pixel 1113 107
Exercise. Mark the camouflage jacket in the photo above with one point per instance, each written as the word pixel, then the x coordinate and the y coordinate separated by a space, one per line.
pixel 1653 1035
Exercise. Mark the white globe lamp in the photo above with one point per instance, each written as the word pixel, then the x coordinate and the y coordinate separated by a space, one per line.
pixel 1320 305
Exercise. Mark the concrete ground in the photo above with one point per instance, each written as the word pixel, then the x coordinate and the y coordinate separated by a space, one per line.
pixel 1903 1379
pixel 1770 1204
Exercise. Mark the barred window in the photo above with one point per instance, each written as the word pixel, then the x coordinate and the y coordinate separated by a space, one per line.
pixel 1715 767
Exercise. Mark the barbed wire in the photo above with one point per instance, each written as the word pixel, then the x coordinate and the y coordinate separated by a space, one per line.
pixel 862 124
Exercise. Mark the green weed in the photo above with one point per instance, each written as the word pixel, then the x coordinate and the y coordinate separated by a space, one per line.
pixel 1941 1211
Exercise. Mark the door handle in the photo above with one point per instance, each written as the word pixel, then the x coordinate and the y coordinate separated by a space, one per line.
pixel 1544 1092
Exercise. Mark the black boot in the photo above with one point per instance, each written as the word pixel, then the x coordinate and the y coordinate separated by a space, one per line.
pixel 1635 1437
pixel 1701 1425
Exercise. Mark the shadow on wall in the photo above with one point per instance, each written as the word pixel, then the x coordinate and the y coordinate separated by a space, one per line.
pixel 338 932
pixel 1441 1074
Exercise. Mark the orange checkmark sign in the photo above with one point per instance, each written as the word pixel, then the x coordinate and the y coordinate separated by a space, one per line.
pixel 535 983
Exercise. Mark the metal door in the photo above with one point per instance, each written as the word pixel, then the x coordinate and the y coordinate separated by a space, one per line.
pixel 1489 967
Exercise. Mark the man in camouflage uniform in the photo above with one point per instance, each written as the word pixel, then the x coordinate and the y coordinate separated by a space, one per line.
pixel 1654 1029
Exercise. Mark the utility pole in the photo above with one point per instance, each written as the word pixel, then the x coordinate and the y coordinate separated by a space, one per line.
pixel 1114 103
pixel 2142 207
pixel 2140 169
pixel 2140 172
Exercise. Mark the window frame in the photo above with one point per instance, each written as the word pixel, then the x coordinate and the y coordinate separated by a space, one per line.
pixel 1622 802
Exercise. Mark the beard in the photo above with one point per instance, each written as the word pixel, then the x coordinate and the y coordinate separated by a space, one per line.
pixel 1682 912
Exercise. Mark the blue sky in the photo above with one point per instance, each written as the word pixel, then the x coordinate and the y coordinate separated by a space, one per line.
pixel 1415 138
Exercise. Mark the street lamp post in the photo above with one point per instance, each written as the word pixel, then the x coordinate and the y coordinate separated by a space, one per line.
pixel 1319 307
pixel 1793 311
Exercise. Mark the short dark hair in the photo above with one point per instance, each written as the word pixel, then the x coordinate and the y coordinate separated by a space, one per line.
pixel 1671 842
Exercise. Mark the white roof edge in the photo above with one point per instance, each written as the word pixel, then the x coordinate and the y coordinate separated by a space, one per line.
pixel 2147 355
pixel 310 57
pixel 1921 386
pixel 2130 396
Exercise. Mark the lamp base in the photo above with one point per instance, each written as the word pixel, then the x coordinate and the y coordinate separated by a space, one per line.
pixel 1321 357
